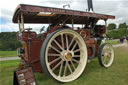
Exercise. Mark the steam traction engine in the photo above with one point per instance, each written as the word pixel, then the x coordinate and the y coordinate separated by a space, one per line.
pixel 62 50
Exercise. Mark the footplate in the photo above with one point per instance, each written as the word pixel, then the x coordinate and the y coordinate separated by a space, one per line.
pixel 24 77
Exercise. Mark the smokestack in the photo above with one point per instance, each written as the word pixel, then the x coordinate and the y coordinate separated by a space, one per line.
pixel 90 5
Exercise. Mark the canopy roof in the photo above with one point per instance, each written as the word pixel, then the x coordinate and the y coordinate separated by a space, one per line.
pixel 41 14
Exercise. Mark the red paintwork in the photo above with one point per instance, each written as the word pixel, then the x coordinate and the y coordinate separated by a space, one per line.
pixel 90 42
pixel 25 74
pixel 37 42
pixel 31 15
pixel 35 49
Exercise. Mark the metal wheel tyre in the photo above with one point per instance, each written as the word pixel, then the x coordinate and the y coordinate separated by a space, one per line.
pixel 63 55
pixel 106 55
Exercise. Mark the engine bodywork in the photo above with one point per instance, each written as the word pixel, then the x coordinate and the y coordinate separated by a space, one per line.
pixel 58 19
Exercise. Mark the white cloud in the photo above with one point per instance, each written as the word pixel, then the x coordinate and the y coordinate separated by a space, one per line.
pixel 114 7
pixel 9 27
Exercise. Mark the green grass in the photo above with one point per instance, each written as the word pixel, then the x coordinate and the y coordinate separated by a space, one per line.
pixel 8 54
pixel 94 74
pixel 113 42
pixel 6 71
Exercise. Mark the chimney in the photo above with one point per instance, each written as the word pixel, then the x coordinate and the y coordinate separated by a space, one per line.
pixel 90 5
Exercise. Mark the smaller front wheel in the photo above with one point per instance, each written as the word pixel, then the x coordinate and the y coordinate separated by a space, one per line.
pixel 106 55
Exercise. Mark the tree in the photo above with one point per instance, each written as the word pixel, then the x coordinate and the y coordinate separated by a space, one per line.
pixel 122 25
pixel 116 34
pixel 111 26
pixel 8 41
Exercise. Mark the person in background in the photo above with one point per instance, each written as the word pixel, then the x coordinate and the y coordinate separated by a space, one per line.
pixel 127 39
pixel 121 39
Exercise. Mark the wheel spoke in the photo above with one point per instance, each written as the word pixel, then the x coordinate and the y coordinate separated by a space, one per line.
pixel 55 49
pixel 69 68
pixel 65 69
pixel 51 54
pixel 76 56
pixel 67 41
pixel 78 50
pixel 106 54
pixel 73 65
pixel 64 55
pixel 106 62
pixel 57 65
pixel 105 59
pixel 62 41
pixel 74 46
pixel 75 61
pixel 108 59
pixel 58 44
pixel 108 50
pixel 71 42
pixel 105 49
pixel 60 71
pixel 53 61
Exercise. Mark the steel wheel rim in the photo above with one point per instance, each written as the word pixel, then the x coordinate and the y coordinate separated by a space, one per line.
pixel 64 63
pixel 107 55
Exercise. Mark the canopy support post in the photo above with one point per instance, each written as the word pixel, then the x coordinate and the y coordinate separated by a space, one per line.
pixel 72 23
pixel 106 27
pixel 19 24
pixel 22 21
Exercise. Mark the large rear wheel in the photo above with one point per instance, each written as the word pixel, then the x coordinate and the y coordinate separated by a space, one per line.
pixel 63 55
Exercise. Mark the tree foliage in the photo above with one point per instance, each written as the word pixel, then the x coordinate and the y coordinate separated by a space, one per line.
pixel 122 25
pixel 8 41
pixel 116 34
pixel 111 26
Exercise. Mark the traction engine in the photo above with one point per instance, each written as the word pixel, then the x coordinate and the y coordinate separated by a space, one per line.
pixel 70 40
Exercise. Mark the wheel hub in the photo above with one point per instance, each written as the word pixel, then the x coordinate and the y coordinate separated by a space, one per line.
pixel 107 54
pixel 107 57
pixel 61 55
pixel 68 56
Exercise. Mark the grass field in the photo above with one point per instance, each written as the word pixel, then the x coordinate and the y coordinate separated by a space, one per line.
pixel 113 42
pixel 8 54
pixel 6 71
pixel 94 74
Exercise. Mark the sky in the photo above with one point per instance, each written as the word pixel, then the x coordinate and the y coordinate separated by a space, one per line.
pixel 119 8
